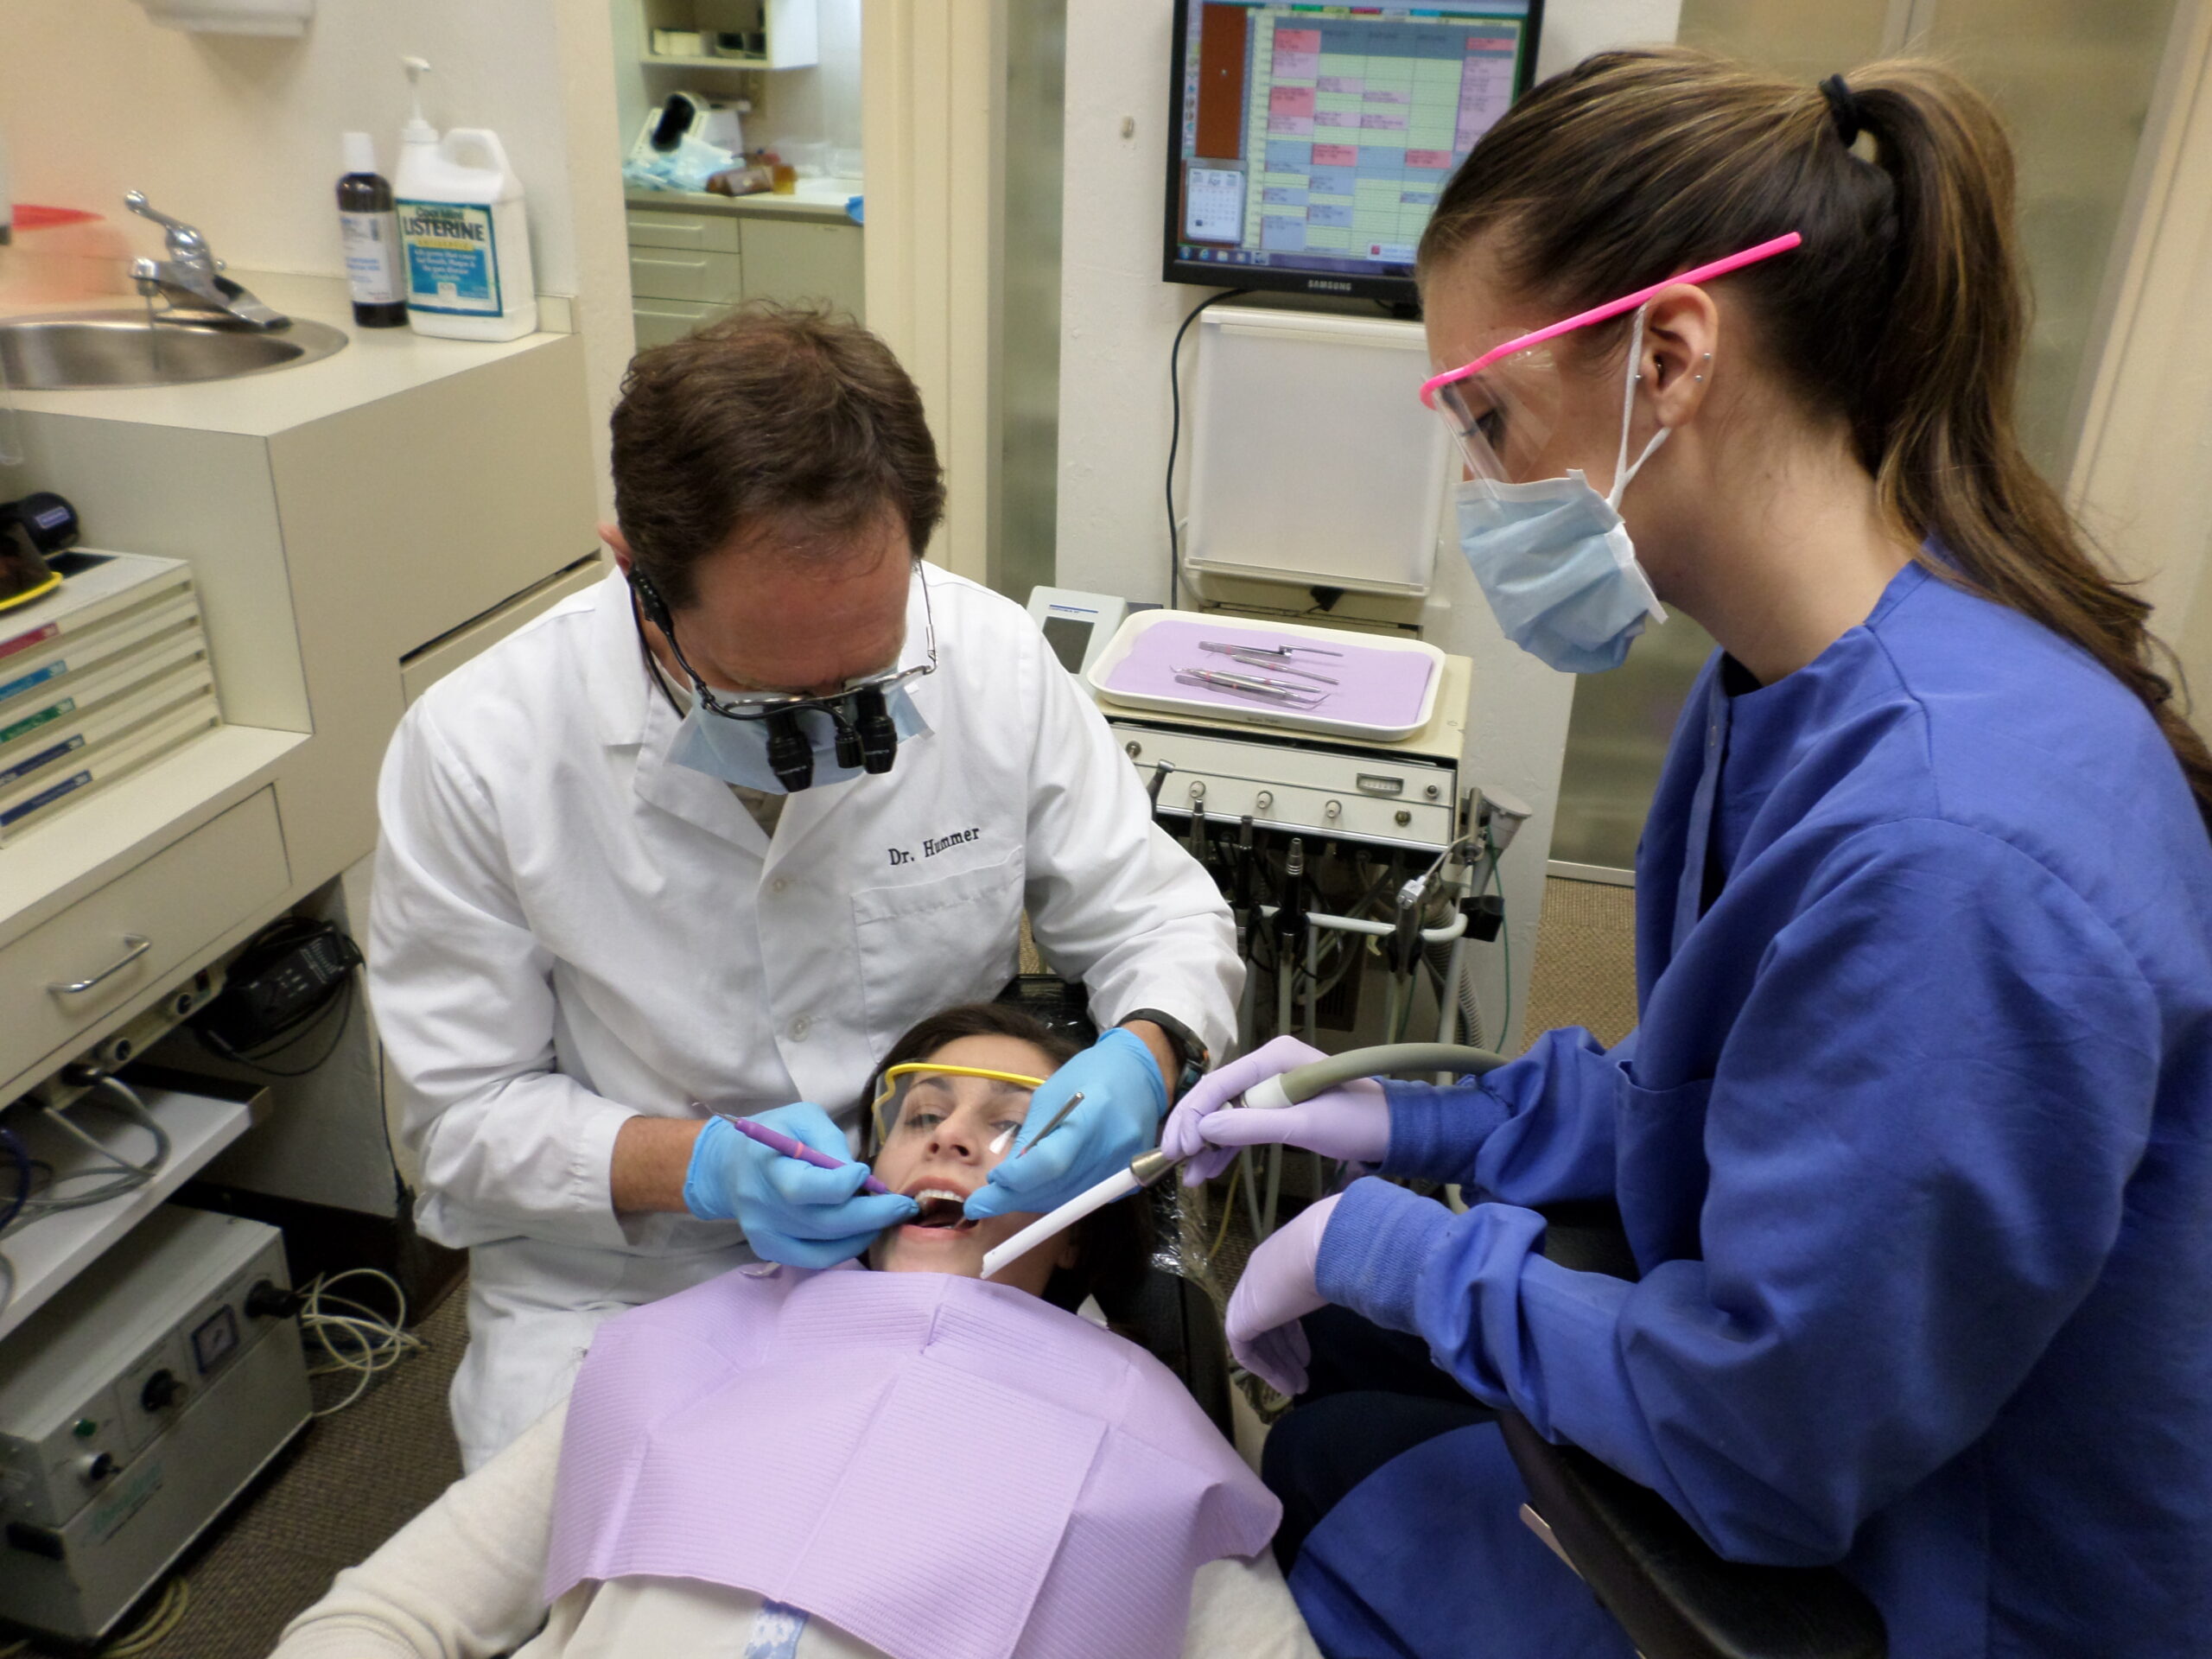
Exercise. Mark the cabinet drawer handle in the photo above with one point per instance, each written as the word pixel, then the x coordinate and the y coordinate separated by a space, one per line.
pixel 138 948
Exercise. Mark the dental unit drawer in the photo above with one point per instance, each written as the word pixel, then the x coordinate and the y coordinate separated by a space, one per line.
pixel 660 274
pixel 72 969
pixel 1377 796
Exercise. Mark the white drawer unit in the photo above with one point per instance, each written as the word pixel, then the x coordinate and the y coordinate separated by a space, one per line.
pixel 688 268
pixel 687 232
pixel 150 922
pixel 1303 784
pixel 655 322
pixel 669 274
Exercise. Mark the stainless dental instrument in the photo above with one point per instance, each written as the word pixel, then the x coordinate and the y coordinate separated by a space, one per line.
pixel 1262 657
pixel 1254 686
pixel 1277 651
pixel 1005 1137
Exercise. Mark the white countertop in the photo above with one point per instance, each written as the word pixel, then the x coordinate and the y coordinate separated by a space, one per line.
pixel 375 363
pixel 817 199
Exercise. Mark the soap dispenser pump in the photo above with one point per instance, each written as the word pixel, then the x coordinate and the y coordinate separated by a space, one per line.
pixel 464 230
pixel 417 130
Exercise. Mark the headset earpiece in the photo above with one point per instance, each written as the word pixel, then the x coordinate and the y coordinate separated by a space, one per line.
pixel 651 602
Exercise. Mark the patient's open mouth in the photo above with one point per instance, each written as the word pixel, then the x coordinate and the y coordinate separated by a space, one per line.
pixel 941 1210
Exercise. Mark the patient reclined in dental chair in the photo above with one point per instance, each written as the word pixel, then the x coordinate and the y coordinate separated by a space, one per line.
pixel 850 1464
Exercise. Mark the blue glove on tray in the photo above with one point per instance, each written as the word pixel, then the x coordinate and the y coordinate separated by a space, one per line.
pixel 792 1211
pixel 1123 1097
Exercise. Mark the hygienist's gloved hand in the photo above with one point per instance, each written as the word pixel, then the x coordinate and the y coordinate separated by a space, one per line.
pixel 1123 1096
pixel 792 1211
pixel 1183 1138
pixel 1351 1123
pixel 1277 1291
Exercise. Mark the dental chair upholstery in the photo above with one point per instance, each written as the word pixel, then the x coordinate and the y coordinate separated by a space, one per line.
pixel 1666 1587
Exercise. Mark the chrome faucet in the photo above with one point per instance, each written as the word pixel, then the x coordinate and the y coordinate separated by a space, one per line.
pixel 191 279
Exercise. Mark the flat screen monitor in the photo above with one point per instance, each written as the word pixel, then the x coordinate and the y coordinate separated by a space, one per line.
pixel 1308 143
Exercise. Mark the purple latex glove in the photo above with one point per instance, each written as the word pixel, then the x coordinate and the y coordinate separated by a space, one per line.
pixel 1277 1291
pixel 1351 1123
pixel 1182 1138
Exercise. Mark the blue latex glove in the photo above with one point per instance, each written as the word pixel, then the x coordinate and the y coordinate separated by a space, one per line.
pixel 1123 1096
pixel 792 1211
pixel 1277 1291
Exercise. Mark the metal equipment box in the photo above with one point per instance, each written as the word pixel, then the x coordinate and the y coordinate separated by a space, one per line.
pixel 133 1407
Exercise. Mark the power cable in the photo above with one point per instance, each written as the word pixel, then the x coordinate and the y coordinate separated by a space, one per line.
pixel 352 1336
pixel 1175 437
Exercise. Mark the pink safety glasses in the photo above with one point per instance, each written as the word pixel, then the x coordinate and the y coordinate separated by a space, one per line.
pixel 1509 395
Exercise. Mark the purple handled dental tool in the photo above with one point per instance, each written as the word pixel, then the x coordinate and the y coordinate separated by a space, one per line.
pixel 777 1141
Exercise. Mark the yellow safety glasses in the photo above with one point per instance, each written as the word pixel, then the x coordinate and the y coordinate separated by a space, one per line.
pixel 939 1088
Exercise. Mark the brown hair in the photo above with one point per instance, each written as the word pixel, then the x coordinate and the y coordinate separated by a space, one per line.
pixel 773 413
pixel 1116 1242
pixel 1903 313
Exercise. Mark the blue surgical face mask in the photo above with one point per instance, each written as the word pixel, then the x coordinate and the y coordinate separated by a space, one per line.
pixel 1555 561
pixel 736 751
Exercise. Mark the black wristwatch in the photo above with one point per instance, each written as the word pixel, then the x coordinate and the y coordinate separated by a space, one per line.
pixel 1191 1054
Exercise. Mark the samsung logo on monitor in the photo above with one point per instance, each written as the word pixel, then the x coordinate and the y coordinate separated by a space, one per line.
pixel 1327 286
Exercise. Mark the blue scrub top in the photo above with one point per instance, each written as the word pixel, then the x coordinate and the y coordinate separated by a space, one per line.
pixel 1914 1146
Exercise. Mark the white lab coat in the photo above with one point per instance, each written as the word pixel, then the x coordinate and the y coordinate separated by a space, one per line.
pixel 566 930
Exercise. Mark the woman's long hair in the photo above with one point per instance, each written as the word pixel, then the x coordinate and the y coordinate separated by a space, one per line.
pixel 1904 311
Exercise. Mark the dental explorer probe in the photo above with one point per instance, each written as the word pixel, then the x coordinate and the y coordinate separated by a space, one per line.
pixel 1005 1137
pixel 791 1147
pixel 1300 1083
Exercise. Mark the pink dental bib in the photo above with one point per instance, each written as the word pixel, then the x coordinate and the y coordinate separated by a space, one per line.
pixel 944 1469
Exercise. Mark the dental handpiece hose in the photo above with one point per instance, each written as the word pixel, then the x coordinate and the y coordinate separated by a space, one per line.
pixel 1300 1083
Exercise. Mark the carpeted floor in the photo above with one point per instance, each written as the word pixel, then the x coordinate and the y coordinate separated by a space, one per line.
pixel 353 1480
pixel 1585 961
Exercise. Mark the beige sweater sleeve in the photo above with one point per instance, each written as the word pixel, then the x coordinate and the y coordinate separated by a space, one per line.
pixel 1243 1608
pixel 461 1580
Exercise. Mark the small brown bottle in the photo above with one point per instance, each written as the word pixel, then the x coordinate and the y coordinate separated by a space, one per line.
pixel 370 230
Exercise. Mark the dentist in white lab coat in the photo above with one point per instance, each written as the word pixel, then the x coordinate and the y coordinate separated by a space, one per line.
pixel 602 912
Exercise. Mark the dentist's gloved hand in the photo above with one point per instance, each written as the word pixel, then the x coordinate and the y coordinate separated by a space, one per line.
pixel 1277 1291
pixel 792 1211
pixel 1183 1138
pixel 1123 1096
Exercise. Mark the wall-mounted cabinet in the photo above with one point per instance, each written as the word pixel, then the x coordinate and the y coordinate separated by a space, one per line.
pixel 729 33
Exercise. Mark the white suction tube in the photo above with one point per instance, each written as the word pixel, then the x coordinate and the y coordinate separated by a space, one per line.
pixel 1300 1083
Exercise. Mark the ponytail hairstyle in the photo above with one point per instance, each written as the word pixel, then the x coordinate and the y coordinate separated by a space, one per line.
pixel 1903 314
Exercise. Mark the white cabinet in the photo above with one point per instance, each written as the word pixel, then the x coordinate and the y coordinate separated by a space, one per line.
pixel 688 268
pixel 59 979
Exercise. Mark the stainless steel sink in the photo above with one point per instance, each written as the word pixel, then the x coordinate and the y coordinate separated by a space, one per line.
pixel 66 351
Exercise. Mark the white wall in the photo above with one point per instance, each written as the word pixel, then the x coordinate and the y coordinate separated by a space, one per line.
pixel 1118 320
pixel 822 104
pixel 238 135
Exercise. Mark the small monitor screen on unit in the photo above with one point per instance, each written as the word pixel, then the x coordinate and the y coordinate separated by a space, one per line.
pixel 1311 142
pixel 1069 640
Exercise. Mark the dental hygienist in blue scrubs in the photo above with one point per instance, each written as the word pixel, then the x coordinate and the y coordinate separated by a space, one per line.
pixel 1913 1145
